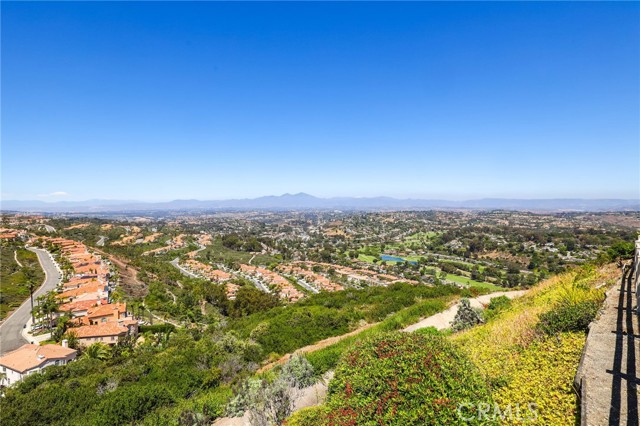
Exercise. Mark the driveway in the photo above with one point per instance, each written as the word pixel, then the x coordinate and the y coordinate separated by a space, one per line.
pixel 10 329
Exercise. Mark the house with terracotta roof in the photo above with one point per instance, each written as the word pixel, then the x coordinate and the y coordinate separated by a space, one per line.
pixel 93 291
pixel 76 282
pixel 30 359
pixel 108 332
pixel 79 308
pixel 111 312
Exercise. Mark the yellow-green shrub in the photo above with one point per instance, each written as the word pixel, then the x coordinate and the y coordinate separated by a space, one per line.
pixel 524 365
pixel 545 377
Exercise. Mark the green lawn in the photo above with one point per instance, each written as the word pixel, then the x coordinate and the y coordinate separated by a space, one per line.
pixel 473 283
pixel 366 258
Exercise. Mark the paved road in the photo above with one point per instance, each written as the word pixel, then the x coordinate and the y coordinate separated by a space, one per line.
pixel 175 263
pixel 308 286
pixel 10 329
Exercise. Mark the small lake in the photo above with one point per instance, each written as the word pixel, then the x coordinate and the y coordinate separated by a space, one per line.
pixel 388 258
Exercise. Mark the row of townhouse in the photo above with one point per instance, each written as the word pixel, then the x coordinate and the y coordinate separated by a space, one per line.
pixel 213 274
pixel 9 234
pixel 318 281
pixel 287 290
pixel 85 297
pixel 358 275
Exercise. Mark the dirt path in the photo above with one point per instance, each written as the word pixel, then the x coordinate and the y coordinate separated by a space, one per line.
pixel 316 346
pixel 316 394
pixel 440 321
pixel 156 317
pixel 15 256
pixel 444 319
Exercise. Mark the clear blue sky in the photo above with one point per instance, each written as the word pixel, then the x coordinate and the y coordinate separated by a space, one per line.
pixel 157 101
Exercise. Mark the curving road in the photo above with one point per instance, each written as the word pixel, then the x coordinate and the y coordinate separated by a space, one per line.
pixel 175 263
pixel 10 329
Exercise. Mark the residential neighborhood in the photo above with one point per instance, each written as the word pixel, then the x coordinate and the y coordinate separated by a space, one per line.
pixel 79 310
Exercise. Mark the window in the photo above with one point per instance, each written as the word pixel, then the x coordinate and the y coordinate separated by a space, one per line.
pixel 57 362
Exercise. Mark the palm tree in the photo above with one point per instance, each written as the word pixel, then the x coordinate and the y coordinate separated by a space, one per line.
pixel 47 307
pixel 97 351
pixel 30 277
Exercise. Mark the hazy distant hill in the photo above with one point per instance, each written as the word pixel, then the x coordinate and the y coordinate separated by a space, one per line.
pixel 304 201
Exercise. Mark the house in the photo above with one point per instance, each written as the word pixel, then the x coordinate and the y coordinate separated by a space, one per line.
pixel 92 291
pixel 30 359
pixel 80 308
pixel 108 332
pixel 111 312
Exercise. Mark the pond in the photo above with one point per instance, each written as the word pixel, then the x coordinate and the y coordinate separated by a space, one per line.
pixel 389 258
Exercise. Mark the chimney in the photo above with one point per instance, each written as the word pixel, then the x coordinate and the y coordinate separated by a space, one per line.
pixel 65 343
pixel 116 313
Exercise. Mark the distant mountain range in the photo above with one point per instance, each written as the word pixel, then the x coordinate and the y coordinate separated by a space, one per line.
pixel 302 201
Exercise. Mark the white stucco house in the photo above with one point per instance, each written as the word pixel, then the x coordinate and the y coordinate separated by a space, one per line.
pixel 30 359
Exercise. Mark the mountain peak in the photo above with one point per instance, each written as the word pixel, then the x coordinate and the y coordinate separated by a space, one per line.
pixel 298 195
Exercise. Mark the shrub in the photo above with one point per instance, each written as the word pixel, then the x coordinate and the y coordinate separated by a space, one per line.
pixel 496 305
pixel 298 372
pixel 544 376
pixel 621 250
pixel 400 379
pixel 569 317
pixel 157 328
pixel 130 404
pixel 466 317
pixel 271 400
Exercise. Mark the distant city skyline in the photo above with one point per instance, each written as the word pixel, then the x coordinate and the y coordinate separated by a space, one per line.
pixel 212 101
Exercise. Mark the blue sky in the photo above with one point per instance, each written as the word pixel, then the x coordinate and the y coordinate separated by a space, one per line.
pixel 158 101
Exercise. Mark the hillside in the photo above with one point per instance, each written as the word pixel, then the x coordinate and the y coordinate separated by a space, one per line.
pixel 526 354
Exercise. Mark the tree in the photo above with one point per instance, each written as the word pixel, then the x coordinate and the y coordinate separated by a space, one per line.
pixel 250 300
pixel 97 351
pixel 47 307
pixel 72 339
pixel 30 277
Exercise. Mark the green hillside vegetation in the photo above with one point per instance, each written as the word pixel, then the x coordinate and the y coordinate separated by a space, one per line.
pixel 526 353
pixel 14 289
pixel 284 329
pixel 166 377
pixel 220 252
pixel 186 375
pixel 400 379
pixel 529 352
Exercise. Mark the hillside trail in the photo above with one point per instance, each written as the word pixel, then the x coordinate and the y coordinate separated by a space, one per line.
pixel 316 394
pixel 443 320
pixel 15 256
